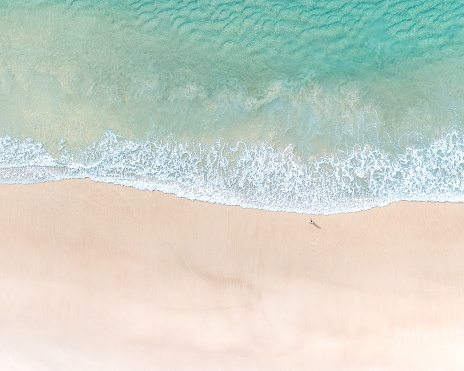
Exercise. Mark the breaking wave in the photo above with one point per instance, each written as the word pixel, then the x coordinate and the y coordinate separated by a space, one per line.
pixel 251 176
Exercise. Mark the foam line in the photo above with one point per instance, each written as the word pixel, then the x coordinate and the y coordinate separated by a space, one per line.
pixel 257 176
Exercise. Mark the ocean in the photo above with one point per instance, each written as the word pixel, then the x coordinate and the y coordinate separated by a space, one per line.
pixel 317 107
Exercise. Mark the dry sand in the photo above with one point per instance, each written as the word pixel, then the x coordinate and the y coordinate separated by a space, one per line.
pixel 102 277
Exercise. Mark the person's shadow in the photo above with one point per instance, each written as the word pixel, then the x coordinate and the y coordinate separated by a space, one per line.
pixel 315 224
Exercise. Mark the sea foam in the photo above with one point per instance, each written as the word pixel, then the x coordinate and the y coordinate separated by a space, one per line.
pixel 251 176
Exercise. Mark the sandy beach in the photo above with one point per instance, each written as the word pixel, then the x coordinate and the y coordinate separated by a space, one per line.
pixel 102 277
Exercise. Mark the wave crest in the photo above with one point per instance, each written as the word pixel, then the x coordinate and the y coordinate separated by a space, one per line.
pixel 252 176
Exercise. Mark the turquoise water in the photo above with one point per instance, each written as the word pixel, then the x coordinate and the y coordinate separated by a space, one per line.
pixel 310 106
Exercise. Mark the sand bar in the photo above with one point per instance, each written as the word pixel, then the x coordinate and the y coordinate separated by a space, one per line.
pixel 96 276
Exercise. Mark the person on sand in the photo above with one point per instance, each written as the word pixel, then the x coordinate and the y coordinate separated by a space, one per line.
pixel 310 221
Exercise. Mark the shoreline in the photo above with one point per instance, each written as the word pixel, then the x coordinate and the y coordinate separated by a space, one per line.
pixel 193 180
pixel 116 278
pixel 224 204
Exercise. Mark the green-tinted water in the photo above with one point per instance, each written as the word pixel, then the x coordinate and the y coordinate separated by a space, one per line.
pixel 325 83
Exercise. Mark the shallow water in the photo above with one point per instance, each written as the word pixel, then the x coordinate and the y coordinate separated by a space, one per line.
pixel 318 107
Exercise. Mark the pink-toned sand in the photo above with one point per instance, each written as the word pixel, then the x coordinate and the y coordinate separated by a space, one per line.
pixel 102 277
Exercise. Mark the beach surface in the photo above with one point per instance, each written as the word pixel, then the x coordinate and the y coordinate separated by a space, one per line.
pixel 101 277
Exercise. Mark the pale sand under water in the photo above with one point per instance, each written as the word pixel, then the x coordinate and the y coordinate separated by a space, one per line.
pixel 96 276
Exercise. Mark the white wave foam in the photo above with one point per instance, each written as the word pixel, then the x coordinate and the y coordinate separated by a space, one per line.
pixel 256 176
